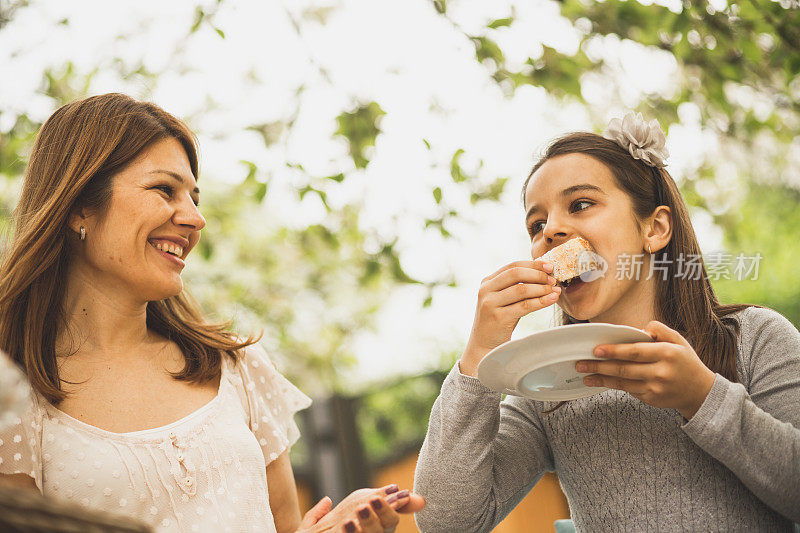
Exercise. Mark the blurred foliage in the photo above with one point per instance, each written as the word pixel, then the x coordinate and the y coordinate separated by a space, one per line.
pixel 767 221
pixel 7 9
pixel 360 127
pixel 389 416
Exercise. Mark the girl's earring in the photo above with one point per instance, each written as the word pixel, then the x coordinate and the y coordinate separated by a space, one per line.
pixel 83 233
pixel 649 251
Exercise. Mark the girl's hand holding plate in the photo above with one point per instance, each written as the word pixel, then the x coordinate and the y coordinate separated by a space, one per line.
pixel 505 296
pixel 666 373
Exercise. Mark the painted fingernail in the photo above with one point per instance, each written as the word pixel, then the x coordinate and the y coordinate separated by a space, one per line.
pixel 363 513
pixel 551 280
pixel 556 289
pixel 350 527
pixel 391 489
pixel 589 381
pixel 581 367
pixel 599 352
pixel 391 499
pixel 403 494
pixel 376 504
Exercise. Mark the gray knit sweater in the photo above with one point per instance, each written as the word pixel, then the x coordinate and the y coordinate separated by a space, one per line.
pixel 624 465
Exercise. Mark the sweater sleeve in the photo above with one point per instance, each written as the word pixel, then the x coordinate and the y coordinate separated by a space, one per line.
pixel 479 459
pixel 756 434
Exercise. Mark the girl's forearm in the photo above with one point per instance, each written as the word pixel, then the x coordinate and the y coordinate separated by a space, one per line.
pixel 761 450
pixel 476 461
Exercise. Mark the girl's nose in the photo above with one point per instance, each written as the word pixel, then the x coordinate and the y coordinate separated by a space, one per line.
pixel 554 232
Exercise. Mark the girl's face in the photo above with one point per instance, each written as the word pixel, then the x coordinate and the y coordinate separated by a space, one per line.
pixel 574 195
pixel 153 205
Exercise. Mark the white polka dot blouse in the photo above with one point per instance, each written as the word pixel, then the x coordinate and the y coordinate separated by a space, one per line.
pixel 204 472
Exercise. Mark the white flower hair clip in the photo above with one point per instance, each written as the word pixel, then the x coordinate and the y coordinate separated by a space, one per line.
pixel 644 141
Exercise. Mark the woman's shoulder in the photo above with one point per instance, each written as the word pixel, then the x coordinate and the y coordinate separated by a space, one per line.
pixel 254 371
pixel 250 358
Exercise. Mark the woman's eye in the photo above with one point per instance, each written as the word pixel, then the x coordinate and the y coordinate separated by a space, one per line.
pixel 164 188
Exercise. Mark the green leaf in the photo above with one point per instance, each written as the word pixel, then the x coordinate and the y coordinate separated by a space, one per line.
pixel 338 178
pixel 199 15
pixel 220 32
pixel 323 196
pixel 499 23
pixel 437 195
pixel 486 48
pixel 261 192
pixel 491 192
pixel 251 170
pixel 360 127
pixel 270 132
pixel 427 143
pixel 455 168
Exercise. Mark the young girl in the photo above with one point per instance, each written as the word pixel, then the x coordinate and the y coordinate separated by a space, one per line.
pixel 699 430
pixel 141 407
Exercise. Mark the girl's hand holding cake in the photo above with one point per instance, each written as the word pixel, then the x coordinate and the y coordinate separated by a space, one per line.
pixel 666 373
pixel 505 296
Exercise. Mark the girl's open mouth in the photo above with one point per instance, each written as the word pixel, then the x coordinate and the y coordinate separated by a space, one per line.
pixel 572 284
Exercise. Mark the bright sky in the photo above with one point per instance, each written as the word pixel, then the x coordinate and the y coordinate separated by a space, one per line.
pixel 414 63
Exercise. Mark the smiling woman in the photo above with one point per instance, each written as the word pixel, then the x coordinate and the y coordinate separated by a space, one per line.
pixel 140 406
pixel 91 189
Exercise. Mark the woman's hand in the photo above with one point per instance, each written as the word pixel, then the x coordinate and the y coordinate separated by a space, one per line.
pixel 665 373
pixel 512 292
pixel 363 511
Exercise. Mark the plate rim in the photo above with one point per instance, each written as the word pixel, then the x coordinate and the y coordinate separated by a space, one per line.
pixel 549 331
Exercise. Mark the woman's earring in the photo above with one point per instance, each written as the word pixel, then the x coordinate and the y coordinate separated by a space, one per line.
pixel 649 251
pixel 83 233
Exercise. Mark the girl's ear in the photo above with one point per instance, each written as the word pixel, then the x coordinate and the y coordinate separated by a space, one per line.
pixel 659 228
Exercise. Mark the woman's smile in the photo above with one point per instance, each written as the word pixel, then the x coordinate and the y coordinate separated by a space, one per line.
pixel 167 252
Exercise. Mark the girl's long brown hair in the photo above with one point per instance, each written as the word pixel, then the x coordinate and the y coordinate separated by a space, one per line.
pixel 683 303
pixel 76 155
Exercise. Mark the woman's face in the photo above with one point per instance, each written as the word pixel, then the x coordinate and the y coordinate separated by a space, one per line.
pixel 152 223
pixel 574 195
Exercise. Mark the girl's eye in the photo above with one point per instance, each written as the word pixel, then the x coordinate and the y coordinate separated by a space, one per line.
pixel 536 227
pixel 578 202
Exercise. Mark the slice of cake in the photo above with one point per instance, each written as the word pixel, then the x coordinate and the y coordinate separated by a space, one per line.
pixel 570 260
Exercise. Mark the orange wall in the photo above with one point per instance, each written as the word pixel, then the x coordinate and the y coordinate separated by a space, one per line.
pixel 536 513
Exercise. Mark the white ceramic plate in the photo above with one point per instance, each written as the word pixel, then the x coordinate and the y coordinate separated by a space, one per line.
pixel 542 366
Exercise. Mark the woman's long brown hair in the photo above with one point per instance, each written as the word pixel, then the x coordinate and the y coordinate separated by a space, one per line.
pixel 683 303
pixel 76 155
